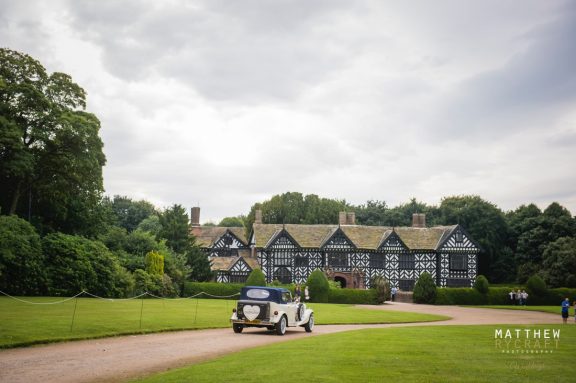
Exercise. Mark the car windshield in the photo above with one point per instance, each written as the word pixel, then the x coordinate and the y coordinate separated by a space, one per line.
pixel 257 294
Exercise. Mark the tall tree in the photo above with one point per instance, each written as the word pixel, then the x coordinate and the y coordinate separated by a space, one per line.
pixel 175 228
pixel 50 153
pixel 129 213
pixel 559 266
pixel 293 207
pixel 484 221
pixel 232 221
pixel 534 232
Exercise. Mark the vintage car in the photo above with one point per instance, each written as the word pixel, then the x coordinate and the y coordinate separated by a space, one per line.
pixel 272 308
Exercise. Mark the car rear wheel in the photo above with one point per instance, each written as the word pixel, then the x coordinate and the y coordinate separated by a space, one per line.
pixel 237 328
pixel 281 326
pixel 310 325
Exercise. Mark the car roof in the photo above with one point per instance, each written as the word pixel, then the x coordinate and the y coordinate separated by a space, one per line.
pixel 280 289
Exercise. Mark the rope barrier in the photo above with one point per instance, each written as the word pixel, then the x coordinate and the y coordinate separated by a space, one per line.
pixel 118 299
pixel 42 303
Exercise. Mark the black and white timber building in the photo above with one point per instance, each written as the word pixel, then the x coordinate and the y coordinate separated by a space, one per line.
pixel 349 253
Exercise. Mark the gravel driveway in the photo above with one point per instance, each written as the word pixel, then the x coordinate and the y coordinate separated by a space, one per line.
pixel 121 358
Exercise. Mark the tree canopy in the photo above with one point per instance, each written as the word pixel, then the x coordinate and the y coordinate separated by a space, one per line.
pixel 51 155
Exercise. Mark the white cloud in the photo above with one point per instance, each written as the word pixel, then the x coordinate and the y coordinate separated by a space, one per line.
pixel 224 103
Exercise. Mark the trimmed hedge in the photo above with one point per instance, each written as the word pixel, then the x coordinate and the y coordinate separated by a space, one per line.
pixel 346 296
pixel 212 288
pixel 352 296
pixel 498 296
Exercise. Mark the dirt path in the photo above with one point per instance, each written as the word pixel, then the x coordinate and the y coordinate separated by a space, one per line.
pixel 121 358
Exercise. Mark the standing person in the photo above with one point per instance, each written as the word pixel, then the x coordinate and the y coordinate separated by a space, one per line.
pixel 512 296
pixel 524 297
pixel 519 297
pixel 393 292
pixel 565 307
pixel 297 292
pixel 306 293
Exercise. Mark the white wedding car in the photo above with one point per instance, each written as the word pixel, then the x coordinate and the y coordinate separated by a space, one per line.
pixel 270 307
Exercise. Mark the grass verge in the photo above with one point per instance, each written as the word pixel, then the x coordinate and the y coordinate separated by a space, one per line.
pixel 546 309
pixel 24 324
pixel 409 354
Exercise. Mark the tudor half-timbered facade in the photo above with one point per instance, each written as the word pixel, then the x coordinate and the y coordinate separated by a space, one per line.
pixel 228 252
pixel 348 253
pixel 355 254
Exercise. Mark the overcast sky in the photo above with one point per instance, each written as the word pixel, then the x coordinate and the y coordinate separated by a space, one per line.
pixel 223 104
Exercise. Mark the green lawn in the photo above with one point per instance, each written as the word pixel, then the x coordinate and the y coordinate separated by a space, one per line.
pixel 546 309
pixel 409 354
pixel 25 324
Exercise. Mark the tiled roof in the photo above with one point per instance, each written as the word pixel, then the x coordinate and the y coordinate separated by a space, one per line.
pixel 207 235
pixel 226 263
pixel 364 237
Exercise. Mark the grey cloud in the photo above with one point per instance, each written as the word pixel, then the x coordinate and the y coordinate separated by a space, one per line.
pixel 225 51
pixel 530 90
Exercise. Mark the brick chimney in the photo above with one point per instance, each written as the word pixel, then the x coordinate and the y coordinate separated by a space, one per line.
pixel 258 216
pixel 418 220
pixel 351 218
pixel 342 218
pixel 346 218
pixel 195 216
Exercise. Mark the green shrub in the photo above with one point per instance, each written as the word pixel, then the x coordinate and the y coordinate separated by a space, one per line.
pixel 256 278
pixel 499 296
pixel 481 285
pixel 213 289
pixel 22 269
pixel 352 296
pixel 536 287
pixel 154 262
pixel 425 289
pixel 381 288
pixel 318 286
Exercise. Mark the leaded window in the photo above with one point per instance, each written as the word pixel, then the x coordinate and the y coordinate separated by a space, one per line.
pixel 459 237
pixel 406 262
pixel 458 262
pixel 377 261
pixel 225 252
pixel 282 258
pixel 301 261
pixel 338 259
pixel 238 276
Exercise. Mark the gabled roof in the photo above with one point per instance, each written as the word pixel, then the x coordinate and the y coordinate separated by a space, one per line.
pixel 226 263
pixel 423 238
pixel 363 237
pixel 206 236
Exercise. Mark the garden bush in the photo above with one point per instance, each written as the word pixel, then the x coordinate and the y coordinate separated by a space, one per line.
pixel 381 287
pixel 318 286
pixel 481 284
pixel 352 296
pixel 536 286
pixel 425 289
pixel 256 278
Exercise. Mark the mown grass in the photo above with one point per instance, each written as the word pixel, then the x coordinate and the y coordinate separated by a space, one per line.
pixel 25 324
pixel 546 309
pixel 409 354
